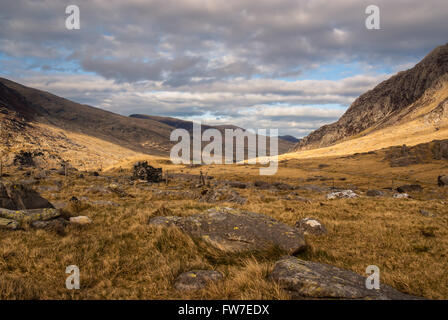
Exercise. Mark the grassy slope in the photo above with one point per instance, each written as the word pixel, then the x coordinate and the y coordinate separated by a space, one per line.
pixel 120 256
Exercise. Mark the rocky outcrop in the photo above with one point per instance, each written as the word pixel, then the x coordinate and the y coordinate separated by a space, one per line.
pixel 17 197
pixel 235 231
pixel 385 104
pixel 312 280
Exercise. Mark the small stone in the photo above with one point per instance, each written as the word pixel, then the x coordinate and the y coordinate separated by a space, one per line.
pixel 311 226
pixel 80 220
pixel 196 279
pixel 374 193
pixel 427 213
pixel 345 194
pixel 401 196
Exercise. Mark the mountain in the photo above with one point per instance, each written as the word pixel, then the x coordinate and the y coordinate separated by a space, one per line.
pixel 289 138
pixel 60 129
pixel 284 143
pixel 412 102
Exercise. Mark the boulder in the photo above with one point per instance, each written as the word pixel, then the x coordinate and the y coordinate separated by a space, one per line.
pixel 236 231
pixel 30 215
pixel 374 193
pixel 442 181
pixel 17 197
pixel 311 226
pixel 196 279
pixel 306 279
pixel 344 194
pixel 410 188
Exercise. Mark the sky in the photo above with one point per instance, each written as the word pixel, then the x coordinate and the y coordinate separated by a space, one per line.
pixel 284 64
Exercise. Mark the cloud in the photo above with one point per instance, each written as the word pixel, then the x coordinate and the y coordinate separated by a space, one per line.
pixel 219 60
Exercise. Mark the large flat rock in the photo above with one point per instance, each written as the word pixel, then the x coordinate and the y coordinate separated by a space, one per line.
pixel 311 280
pixel 235 231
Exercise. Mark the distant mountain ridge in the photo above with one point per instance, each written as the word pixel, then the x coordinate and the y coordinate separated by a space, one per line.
pixel 404 97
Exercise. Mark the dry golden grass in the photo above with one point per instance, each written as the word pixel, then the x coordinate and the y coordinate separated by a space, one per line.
pixel 121 257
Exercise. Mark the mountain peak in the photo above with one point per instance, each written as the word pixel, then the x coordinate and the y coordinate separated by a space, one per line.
pixel 385 105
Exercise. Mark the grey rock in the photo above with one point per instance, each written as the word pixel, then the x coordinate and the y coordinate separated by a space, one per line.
pixel 232 230
pixel 344 194
pixel 17 196
pixel 196 279
pixel 374 193
pixel 311 226
pixel 427 213
pixel 306 279
pixel 410 188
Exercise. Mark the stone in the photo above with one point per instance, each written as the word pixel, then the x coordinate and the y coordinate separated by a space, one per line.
pixel 80 220
pixel 312 280
pixel 196 279
pixel 233 230
pixel 29 215
pixel 442 181
pixel 143 171
pixel 427 213
pixel 410 188
pixel 226 195
pixel 311 226
pixel 16 196
pixel 55 224
pixel 401 196
pixel 374 193
pixel 344 194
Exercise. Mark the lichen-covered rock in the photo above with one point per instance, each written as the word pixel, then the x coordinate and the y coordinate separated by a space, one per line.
pixel 344 194
pixel 311 226
pixel 196 279
pixel 235 231
pixel 306 279
pixel 28 216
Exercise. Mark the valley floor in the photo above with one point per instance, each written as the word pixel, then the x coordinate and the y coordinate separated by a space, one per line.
pixel 121 256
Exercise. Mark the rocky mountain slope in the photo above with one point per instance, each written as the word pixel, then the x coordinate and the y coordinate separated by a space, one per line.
pixel 420 93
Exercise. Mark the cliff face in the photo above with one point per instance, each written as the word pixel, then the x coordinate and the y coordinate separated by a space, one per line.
pixel 386 104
